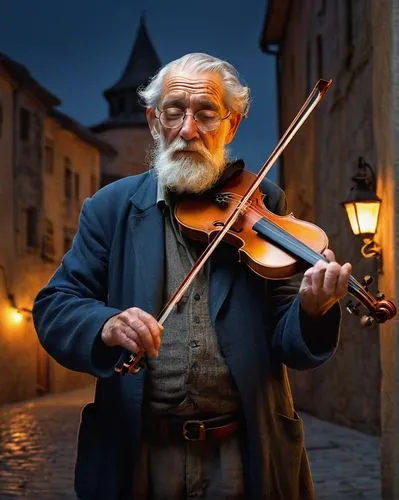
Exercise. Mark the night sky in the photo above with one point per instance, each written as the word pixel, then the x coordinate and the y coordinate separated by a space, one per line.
pixel 78 48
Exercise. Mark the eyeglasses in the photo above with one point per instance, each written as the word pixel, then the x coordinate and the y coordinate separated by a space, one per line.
pixel 207 120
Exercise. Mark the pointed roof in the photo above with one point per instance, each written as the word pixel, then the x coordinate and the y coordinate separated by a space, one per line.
pixel 124 107
pixel 143 63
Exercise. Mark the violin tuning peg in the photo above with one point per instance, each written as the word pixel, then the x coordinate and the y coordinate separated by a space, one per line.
pixel 353 308
pixel 366 321
pixel 367 280
pixel 380 296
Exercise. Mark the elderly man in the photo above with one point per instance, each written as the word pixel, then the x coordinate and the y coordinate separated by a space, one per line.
pixel 211 415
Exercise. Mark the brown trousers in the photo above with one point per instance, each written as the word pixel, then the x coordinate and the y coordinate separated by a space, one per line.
pixel 210 469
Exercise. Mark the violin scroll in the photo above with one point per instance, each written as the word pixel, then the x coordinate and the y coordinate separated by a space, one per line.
pixel 384 310
pixel 380 310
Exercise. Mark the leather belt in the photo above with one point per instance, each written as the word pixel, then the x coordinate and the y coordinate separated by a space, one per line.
pixel 194 429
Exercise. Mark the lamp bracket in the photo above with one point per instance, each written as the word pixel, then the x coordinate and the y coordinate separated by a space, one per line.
pixel 10 295
pixel 365 177
pixel 370 249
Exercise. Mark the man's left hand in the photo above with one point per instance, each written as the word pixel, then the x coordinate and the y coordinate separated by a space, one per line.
pixel 323 285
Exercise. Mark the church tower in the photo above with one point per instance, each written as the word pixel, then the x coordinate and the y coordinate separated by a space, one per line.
pixel 126 127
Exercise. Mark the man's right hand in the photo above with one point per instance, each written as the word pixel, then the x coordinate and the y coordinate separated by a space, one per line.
pixel 135 330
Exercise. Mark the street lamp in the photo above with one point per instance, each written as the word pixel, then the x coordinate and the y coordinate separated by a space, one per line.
pixel 363 209
pixel 16 312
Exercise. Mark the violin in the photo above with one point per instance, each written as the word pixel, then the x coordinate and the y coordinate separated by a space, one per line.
pixel 273 246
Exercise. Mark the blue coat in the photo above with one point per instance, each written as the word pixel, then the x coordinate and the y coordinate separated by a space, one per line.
pixel 116 262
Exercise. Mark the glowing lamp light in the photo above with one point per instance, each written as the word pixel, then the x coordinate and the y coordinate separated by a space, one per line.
pixel 16 316
pixel 363 216
pixel 363 209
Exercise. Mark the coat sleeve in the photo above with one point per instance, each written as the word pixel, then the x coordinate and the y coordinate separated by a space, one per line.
pixel 299 341
pixel 70 311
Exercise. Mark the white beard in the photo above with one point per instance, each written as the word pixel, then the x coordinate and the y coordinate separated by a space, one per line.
pixel 181 172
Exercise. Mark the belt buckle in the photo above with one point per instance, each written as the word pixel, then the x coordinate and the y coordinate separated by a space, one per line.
pixel 201 430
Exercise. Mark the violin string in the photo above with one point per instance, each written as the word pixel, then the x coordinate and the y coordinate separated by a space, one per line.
pixel 303 251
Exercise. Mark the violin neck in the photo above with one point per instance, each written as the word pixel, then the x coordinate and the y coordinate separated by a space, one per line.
pixel 292 245
pixel 286 241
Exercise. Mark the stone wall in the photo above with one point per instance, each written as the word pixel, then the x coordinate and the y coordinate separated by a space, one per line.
pixel 330 40
pixel 84 162
pixel 6 183
pixel 385 80
pixel 25 183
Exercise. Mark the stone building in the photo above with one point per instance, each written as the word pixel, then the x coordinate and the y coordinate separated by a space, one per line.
pixel 49 163
pixel 126 127
pixel 356 44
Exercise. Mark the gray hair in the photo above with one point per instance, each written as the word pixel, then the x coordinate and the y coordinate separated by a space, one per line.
pixel 237 96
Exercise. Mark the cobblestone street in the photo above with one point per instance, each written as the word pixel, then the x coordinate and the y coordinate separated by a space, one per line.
pixel 37 448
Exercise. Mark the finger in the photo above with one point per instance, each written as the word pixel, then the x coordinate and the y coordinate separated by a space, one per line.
pixel 343 280
pixel 127 342
pixel 329 255
pixel 331 279
pixel 319 270
pixel 152 324
pixel 306 283
pixel 139 331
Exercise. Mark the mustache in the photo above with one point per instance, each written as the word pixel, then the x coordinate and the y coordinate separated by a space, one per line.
pixel 181 145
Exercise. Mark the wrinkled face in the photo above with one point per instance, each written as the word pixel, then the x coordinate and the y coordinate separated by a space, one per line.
pixel 188 156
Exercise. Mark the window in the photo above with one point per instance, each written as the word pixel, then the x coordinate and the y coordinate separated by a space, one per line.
pixel 48 249
pixel 93 184
pixel 322 8
pixel 67 179
pixel 113 109
pixel 49 156
pixel 121 105
pixel 77 187
pixel 319 52
pixel 24 125
pixel 348 32
pixel 31 228
pixel 1 119
pixel 308 69
pixel 292 67
pixel 68 238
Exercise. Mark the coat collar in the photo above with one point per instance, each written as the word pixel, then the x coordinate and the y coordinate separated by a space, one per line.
pixel 145 195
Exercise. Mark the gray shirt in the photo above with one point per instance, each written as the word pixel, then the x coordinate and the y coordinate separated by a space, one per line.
pixel 190 375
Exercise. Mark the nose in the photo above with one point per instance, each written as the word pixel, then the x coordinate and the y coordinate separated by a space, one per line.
pixel 189 129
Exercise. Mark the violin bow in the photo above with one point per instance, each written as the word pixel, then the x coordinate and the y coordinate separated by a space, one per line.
pixel 131 363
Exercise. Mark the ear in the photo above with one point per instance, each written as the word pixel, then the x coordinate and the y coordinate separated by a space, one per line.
pixel 153 122
pixel 234 121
